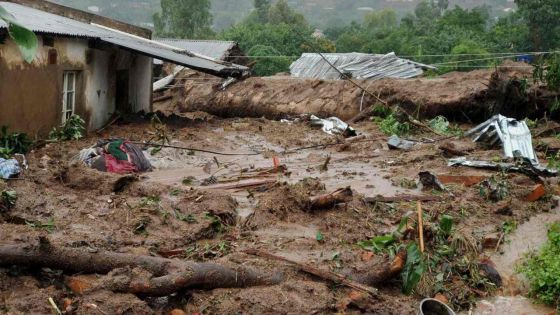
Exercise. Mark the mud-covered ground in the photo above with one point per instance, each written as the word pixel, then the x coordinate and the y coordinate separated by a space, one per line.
pixel 172 212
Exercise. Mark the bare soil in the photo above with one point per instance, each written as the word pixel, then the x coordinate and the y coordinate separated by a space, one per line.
pixel 169 213
pixel 469 97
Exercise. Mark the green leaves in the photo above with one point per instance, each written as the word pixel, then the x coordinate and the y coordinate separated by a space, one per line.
pixel 377 244
pixel 446 224
pixel 413 269
pixel 543 269
pixel 24 38
pixel 13 142
pixel 73 129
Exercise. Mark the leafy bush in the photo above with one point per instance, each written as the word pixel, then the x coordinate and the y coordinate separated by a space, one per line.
pixel 12 143
pixel 73 129
pixel 390 125
pixel 543 270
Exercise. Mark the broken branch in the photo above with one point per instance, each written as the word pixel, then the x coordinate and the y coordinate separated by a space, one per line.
pixel 323 274
pixel 327 201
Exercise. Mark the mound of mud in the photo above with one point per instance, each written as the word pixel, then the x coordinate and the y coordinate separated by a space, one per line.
pixel 459 95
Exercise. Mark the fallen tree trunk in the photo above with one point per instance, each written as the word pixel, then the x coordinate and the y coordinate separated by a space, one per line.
pixel 165 275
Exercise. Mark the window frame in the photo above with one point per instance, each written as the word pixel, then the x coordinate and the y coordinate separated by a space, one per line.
pixel 65 93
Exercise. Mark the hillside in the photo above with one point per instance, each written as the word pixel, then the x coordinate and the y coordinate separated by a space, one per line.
pixel 322 13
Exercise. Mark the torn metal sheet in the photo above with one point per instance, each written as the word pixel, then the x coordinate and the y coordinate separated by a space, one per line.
pixel 333 126
pixel 514 135
pixel 526 166
pixel 355 65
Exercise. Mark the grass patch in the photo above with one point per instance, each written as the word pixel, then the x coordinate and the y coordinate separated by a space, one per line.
pixel 543 269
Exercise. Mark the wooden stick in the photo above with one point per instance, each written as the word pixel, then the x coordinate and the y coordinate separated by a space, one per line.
pixel 420 226
pixel 404 198
pixel 327 275
pixel 243 184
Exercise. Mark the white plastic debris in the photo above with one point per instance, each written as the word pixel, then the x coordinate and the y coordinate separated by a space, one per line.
pixel 333 126
pixel 514 135
pixel 9 168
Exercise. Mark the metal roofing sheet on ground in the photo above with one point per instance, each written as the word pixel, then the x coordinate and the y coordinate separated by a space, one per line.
pixel 359 66
pixel 44 22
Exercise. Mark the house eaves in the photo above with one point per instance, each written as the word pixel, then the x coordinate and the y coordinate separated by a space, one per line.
pixel 46 23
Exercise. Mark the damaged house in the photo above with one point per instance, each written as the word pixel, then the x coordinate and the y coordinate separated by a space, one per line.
pixel 228 51
pixel 86 65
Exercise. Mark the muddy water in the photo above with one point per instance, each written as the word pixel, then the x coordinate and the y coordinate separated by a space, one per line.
pixel 344 168
pixel 528 237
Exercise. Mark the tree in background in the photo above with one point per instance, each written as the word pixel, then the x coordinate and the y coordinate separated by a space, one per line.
pixel 275 35
pixel 261 10
pixel 184 19
pixel 543 20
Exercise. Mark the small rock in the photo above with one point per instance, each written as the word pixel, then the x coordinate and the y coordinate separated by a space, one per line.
pixel 178 312
pixel 491 240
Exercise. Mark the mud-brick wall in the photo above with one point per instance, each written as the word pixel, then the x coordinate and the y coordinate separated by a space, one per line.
pixel 31 94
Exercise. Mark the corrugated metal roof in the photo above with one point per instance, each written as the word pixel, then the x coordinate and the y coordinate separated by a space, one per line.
pixel 212 48
pixel 44 22
pixel 360 66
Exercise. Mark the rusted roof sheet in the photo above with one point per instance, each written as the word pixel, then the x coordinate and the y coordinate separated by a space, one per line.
pixel 47 23
pixel 356 65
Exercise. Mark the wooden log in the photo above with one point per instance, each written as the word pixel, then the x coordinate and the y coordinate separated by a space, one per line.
pixel 165 276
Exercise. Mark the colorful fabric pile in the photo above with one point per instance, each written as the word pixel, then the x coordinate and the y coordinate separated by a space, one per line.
pixel 116 156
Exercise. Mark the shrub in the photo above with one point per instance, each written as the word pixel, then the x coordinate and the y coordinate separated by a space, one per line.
pixel 543 269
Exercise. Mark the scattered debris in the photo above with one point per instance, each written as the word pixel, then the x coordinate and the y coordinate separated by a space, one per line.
pixel 244 184
pixel 537 193
pixel 397 143
pixel 328 201
pixel 526 168
pixel 9 168
pixel 333 126
pixel 430 181
pixel 115 156
pixel 514 135
pixel 466 180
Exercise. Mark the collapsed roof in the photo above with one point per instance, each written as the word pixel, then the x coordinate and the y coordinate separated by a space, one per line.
pixel 356 65
pixel 46 23
pixel 215 49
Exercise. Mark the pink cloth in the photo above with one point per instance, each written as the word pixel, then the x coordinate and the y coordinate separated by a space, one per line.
pixel 120 167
